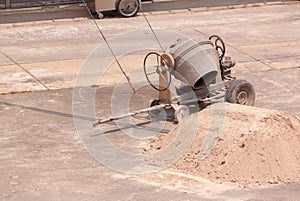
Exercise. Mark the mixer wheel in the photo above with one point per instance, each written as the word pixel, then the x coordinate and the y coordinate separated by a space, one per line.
pixel 240 92
pixel 156 114
pixel 181 112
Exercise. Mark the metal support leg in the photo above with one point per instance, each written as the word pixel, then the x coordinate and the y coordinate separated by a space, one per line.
pixel 7 4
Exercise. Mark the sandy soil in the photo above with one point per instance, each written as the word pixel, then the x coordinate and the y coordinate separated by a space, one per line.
pixel 252 146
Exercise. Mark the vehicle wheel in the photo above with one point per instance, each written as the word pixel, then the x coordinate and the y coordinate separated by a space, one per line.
pixel 93 12
pixel 100 15
pixel 127 8
pixel 240 92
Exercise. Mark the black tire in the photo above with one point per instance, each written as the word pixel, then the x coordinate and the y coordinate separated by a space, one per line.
pixel 240 92
pixel 128 8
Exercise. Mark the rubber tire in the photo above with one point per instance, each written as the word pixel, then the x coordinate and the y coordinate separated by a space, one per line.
pixel 127 15
pixel 100 15
pixel 240 86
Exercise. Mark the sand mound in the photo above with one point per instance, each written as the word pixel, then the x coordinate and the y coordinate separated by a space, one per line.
pixel 250 145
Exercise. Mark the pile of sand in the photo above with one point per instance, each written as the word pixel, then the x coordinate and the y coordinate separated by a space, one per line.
pixel 252 145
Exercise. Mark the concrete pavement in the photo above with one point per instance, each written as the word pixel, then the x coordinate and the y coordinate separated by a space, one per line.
pixel 54 51
pixel 41 156
pixel 54 12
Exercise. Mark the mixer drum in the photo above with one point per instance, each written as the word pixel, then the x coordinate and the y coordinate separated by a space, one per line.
pixel 196 63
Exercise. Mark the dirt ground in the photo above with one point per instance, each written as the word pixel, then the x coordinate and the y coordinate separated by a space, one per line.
pixel 253 146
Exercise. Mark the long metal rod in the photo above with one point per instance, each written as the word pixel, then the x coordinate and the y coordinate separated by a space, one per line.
pixel 102 121
pixel 109 47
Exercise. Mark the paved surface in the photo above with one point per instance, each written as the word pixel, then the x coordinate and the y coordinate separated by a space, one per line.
pixel 54 51
pixel 54 12
pixel 42 157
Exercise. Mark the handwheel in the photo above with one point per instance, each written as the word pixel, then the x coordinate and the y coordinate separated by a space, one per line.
pixel 155 65
pixel 240 92
pixel 219 45
pixel 127 8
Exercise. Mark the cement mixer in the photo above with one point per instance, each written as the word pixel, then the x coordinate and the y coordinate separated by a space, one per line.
pixel 191 76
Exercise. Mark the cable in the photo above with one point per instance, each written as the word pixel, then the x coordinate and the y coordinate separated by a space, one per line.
pixel 151 29
pixel 24 69
pixel 112 52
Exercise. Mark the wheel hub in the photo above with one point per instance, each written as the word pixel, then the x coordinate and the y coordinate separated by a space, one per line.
pixel 128 6
pixel 242 98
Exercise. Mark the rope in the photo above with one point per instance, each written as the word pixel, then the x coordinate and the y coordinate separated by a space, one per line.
pixel 109 47
pixel 24 69
pixel 152 29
